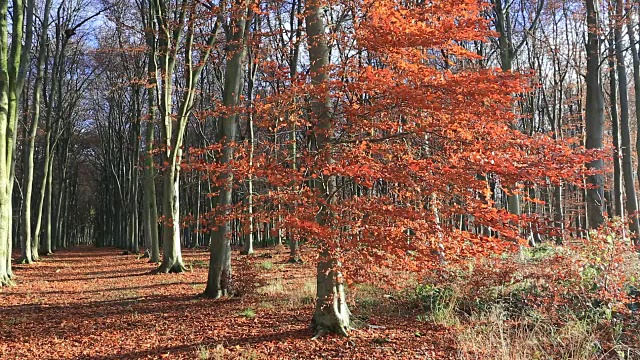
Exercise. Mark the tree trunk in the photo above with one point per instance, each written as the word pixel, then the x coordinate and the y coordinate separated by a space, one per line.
pixel 172 253
pixel 5 196
pixel 29 249
pixel 150 210
pixel 331 313
pixel 594 118
pixel 506 62
pixel 219 281
pixel 48 250
pixel 615 133
pixel 41 200
pixel 252 70
pixel 171 34
pixel 636 86
pixel 627 161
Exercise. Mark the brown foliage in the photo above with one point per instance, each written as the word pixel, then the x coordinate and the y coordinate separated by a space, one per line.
pixel 97 304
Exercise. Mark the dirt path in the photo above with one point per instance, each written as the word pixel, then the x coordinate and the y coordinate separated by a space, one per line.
pixel 92 303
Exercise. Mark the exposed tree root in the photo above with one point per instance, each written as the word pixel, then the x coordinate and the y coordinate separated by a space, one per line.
pixel 5 280
pixel 217 294
pixel 176 268
pixel 212 294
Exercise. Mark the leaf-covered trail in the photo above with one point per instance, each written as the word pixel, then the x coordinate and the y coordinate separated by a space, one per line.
pixel 92 303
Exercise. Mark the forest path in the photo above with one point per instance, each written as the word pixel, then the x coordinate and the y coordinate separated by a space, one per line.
pixel 89 303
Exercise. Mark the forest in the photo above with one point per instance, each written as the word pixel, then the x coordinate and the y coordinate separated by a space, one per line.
pixel 319 179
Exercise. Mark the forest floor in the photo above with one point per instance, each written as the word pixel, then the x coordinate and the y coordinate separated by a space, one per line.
pixel 89 303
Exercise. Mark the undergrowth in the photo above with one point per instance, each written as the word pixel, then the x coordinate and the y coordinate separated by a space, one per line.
pixel 577 301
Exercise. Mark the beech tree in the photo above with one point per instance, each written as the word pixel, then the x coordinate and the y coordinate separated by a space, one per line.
pixel 384 134
pixel 219 278
pixel 175 22
pixel 13 63
pixel 390 156
pixel 627 163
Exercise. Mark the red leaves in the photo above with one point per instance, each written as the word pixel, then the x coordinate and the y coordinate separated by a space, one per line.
pixel 419 141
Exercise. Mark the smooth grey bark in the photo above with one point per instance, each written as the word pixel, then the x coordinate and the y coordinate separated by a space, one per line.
pixel 48 249
pixel 252 70
pixel 134 236
pixel 43 188
pixel 5 196
pixel 331 313
pixel 59 220
pixel 636 86
pixel 219 280
pixel 171 29
pixel 625 131
pixel 615 132
pixel 18 59
pixel 296 9
pixel 149 207
pixel 507 51
pixel 13 68
pixel 150 210
pixel 594 117
pixel 168 38
pixel 29 247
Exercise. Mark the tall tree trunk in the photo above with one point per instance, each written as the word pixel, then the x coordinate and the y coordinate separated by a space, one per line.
pixel 5 196
pixel 507 52
pixel 41 200
pixel 150 210
pixel 615 132
pixel 29 248
pixel 636 86
pixel 172 33
pixel 296 9
pixel 219 280
pixel 252 66
pixel 48 246
pixel 331 312
pixel 594 118
pixel 627 161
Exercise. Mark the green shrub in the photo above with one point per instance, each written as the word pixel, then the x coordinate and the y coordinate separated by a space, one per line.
pixel 439 303
pixel 248 313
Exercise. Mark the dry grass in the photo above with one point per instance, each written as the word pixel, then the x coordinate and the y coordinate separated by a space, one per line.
pixel 205 352
pixel 493 335
pixel 293 293
pixel 548 302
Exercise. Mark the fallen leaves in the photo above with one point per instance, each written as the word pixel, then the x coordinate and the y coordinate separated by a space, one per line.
pixel 92 303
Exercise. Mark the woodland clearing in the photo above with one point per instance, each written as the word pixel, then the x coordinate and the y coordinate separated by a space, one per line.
pixel 96 303
pixel 91 303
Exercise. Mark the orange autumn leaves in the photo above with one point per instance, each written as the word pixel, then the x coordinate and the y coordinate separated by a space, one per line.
pixel 418 128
